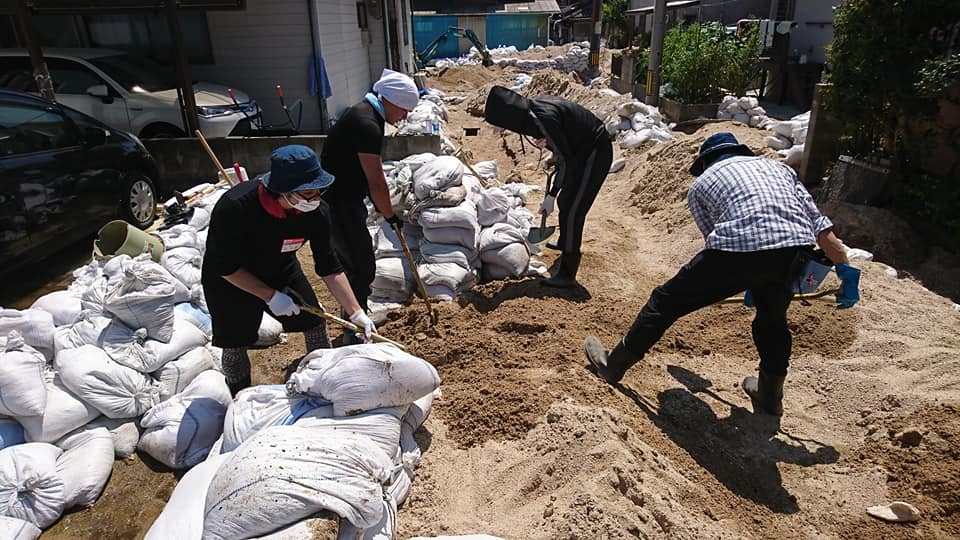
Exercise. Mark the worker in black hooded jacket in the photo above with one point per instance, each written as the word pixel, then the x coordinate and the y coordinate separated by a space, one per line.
pixel 582 149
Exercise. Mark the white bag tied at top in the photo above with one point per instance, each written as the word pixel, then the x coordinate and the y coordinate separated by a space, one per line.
pixel 286 473
pixel 63 413
pixel 35 325
pixel 436 176
pixel 30 488
pixel 182 517
pixel 184 263
pixel 176 375
pixel 22 388
pixel 363 377
pixel 260 407
pixel 115 390
pixel 63 305
pixel 144 298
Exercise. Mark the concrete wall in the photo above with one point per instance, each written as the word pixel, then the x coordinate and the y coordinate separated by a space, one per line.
pixel 183 162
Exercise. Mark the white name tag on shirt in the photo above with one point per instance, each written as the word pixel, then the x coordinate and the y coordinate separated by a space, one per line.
pixel 291 244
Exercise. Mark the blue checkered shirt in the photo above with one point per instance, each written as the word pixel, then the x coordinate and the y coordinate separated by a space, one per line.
pixel 754 204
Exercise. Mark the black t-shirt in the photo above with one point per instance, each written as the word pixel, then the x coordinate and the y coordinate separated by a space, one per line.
pixel 359 131
pixel 244 235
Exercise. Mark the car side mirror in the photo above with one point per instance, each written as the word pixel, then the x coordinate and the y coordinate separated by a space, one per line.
pixel 94 136
pixel 101 91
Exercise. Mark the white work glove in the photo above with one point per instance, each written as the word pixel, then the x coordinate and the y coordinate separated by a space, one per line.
pixel 363 321
pixel 546 207
pixel 282 305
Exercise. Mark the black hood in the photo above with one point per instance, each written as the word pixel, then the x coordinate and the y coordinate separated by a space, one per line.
pixel 509 110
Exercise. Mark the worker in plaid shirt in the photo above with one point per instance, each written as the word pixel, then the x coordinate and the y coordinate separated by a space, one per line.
pixel 758 222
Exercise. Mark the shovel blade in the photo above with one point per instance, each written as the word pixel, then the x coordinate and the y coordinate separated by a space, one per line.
pixel 540 234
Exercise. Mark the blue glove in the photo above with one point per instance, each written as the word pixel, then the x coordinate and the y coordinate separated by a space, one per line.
pixel 748 298
pixel 849 285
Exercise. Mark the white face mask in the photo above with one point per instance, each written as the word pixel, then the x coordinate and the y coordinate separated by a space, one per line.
pixel 304 206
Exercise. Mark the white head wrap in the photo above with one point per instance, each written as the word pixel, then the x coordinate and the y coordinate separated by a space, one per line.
pixel 398 89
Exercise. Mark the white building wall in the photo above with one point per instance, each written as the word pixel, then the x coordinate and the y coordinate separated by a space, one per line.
pixel 255 49
pixel 814 28
pixel 346 52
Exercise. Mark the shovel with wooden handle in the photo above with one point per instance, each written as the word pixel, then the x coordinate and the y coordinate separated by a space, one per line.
pixel 421 288
pixel 320 312
pixel 802 298
pixel 542 233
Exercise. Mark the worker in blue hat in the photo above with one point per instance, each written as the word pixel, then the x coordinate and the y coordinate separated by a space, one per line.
pixel 256 229
pixel 760 226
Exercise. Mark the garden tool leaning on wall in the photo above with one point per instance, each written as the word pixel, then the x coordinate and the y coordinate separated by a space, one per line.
pixel 421 288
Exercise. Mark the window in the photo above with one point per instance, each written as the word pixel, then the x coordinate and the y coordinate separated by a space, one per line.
pixel 70 77
pixel 25 129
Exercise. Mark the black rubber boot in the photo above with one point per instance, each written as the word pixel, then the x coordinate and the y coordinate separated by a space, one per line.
pixel 766 393
pixel 610 365
pixel 566 275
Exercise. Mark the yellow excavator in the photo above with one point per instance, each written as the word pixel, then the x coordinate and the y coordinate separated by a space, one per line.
pixel 430 51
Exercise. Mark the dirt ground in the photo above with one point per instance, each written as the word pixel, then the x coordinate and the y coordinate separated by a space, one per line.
pixel 526 443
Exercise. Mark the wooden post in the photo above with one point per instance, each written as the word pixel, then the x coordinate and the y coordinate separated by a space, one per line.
pixel 822 144
pixel 183 67
pixel 40 73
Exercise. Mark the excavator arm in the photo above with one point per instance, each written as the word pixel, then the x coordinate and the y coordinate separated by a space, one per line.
pixel 430 51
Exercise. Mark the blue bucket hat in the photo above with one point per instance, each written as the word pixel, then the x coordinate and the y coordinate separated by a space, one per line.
pixel 295 168
pixel 715 146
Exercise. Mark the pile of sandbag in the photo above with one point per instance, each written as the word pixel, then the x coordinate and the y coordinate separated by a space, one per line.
pixel 337 437
pixel 789 137
pixel 577 58
pixel 447 212
pixel 635 123
pixel 746 110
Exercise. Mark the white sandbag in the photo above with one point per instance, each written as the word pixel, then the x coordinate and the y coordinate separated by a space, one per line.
pixel 259 407
pixel 754 121
pixel 387 243
pixel 452 235
pixel 463 216
pixel 792 155
pixel 449 275
pixel 618 165
pixel 195 316
pixel 85 465
pixel 802 117
pixel 179 236
pixel 292 474
pixel 186 337
pixel 777 142
pixel 174 376
pixel 465 257
pixel 363 377
pixel 746 103
pixel 799 135
pixel 182 517
pixel 515 258
pixel 492 206
pixel 441 292
pixel 733 108
pixel 722 114
pixel 627 110
pixel 198 298
pixel 115 390
pixel 85 331
pixel 786 128
pixel 436 176
pixel 63 413
pixel 200 218
pixel 410 452
pixel 757 111
pixel 11 432
pixel 144 298
pixel 382 426
pixel 17 529
pixel 500 235
pixel 270 331
pixel 124 431
pixel 35 325
pixel 742 117
pixel 63 305
pixel 185 263
pixel 180 431
pixel 22 388
pixel 635 138
pixel 30 488
pixel 419 410
pixel 400 482
pixel 385 529
pixel 393 274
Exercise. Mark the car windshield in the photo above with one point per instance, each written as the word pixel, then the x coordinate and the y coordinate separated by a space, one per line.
pixel 135 74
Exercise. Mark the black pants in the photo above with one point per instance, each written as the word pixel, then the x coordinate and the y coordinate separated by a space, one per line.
pixel 353 246
pixel 236 314
pixel 714 275
pixel 575 199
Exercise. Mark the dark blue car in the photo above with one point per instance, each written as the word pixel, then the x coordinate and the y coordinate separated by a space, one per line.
pixel 63 175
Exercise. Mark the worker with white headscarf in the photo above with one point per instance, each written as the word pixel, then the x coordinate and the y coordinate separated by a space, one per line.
pixel 352 154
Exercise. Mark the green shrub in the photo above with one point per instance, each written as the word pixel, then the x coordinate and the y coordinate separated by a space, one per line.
pixel 702 62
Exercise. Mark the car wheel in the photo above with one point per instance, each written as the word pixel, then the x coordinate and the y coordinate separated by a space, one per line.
pixel 138 201
pixel 161 131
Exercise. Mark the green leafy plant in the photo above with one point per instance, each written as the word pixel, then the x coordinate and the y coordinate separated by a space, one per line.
pixel 702 62
pixel 615 16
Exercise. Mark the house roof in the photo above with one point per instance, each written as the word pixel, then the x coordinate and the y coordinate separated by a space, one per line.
pixel 670 5
pixel 445 7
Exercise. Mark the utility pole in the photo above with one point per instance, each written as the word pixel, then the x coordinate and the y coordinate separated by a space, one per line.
pixel 40 73
pixel 595 40
pixel 656 52
pixel 183 69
